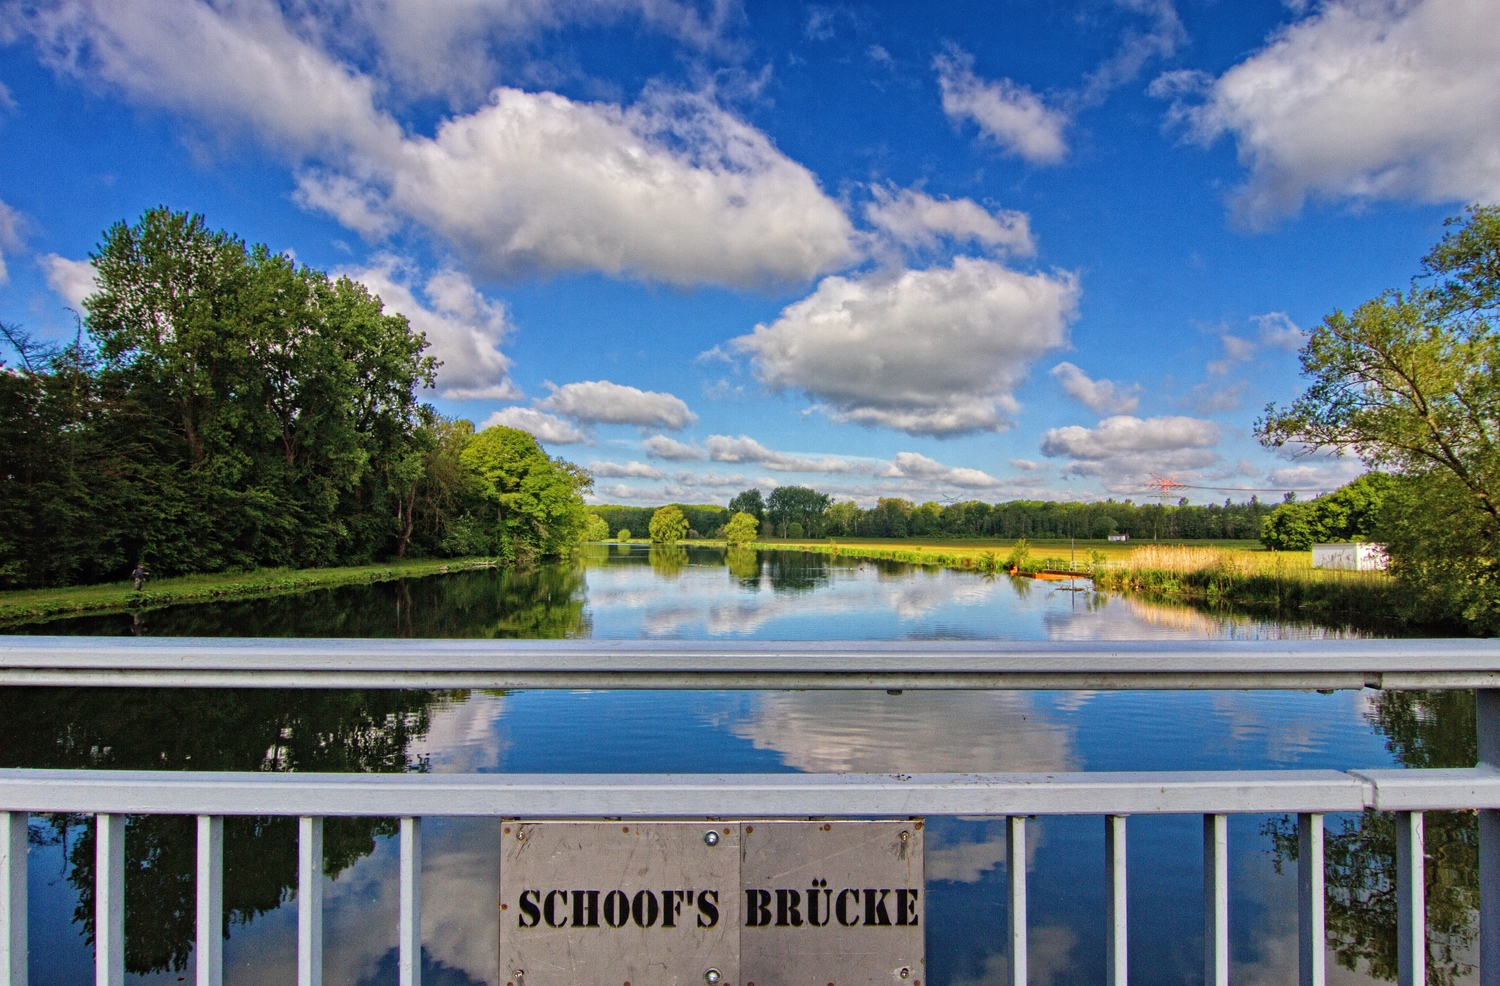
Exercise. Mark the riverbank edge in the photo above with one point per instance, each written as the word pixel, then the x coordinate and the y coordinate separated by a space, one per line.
pixel 21 606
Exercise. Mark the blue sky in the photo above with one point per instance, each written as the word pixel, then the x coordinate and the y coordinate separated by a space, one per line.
pixel 999 250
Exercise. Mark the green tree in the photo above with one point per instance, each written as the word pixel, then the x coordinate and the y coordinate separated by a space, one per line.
pixel 843 518
pixel 536 502
pixel 741 529
pixel 1410 382
pixel 1349 513
pixel 668 525
pixel 749 502
pixel 796 504
pixel 1291 527
pixel 596 528
pixel 623 534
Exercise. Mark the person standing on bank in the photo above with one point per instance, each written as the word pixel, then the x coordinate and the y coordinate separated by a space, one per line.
pixel 138 576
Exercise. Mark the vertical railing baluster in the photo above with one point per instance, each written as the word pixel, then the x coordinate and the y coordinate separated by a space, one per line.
pixel 13 905
pixel 208 950
pixel 1312 970
pixel 310 902
pixel 1015 861
pixel 1488 715
pixel 1411 900
pixel 1216 900
pixel 410 924
pixel 109 900
pixel 1118 971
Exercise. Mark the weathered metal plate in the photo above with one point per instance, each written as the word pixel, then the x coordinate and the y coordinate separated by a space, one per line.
pixel 768 902
pixel 833 902
pixel 606 903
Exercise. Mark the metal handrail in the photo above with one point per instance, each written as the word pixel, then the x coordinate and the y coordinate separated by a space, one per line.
pixel 1337 664
pixel 111 795
pixel 716 665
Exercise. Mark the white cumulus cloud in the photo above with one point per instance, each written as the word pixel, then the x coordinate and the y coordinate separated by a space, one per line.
pixel 673 188
pixel 545 427
pixel 1123 450
pixel 916 219
pixel 1011 115
pixel 912 465
pixel 70 280
pixel 628 470
pixel 662 447
pixel 1126 434
pixel 619 491
pixel 453 48
pixel 1103 396
pixel 10 236
pixel 1279 331
pixel 464 327
pixel 603 402
pixel 1361 100
pixel 928 352
pixel 723 448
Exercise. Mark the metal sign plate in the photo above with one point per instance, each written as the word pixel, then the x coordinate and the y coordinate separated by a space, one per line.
pixel 832 902
pixel 686 903
pixel 605 903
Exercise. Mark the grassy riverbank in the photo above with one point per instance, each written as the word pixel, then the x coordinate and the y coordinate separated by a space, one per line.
pixel 1240 574
pixel 1271 582
pixel 990 555
pixel 28 605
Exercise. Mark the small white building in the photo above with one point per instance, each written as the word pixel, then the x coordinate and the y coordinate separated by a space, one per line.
pixel 1119 537
pixel 1352 556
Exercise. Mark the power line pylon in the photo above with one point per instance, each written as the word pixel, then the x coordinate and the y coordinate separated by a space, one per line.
pixel 1166 488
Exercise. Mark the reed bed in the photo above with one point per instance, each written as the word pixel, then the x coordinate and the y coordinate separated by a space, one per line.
pixel 1284 583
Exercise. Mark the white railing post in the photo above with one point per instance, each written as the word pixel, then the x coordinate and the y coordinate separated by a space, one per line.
pixel 1411 900
pixel 1216 900
pixel 13 904
pixel 1117 951
pixel 310 901
pixel 410 924
pixel 208 949
pixel 1488 714
pixel 109 900
pixel 1015 863
pixel 1312 965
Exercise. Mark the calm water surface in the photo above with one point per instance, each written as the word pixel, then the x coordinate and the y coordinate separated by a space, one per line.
pixel 632 593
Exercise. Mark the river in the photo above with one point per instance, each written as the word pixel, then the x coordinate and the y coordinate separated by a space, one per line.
pixel 633 592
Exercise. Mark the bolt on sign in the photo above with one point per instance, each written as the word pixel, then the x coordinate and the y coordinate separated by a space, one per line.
pixel 763 903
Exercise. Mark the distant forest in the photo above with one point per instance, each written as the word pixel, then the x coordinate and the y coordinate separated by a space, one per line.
pixel 898 518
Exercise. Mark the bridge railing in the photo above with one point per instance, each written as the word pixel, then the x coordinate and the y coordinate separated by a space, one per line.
pixel 1214 795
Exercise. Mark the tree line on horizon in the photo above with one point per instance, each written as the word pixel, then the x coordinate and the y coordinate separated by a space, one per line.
pixel 224 408
pixel 802 512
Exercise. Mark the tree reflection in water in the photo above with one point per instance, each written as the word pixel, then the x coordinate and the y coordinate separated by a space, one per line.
pixel 744 565
pixel 1423 729
pixel 668 560
pixel 543 601
pixel 200 729
pixel 797 571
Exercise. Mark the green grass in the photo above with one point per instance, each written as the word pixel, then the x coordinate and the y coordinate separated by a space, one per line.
pixel 30 605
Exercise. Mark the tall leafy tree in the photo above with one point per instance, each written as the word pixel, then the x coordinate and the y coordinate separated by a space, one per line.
pixel 1410 382
pixel 802 505
pixel 749 502
pixel 668 525
pixel 535 502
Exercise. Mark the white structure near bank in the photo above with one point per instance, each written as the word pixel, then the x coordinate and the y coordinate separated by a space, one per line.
pixel 1352 556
